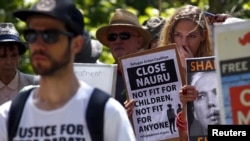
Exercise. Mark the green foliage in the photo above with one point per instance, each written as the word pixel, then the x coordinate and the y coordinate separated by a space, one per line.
pixel 98 12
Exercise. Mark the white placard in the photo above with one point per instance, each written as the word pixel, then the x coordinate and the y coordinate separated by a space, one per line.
pixel 102 76
pixel 232 49
pixel 153 80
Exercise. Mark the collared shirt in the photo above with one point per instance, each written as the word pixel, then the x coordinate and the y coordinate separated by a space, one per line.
pixel 7 92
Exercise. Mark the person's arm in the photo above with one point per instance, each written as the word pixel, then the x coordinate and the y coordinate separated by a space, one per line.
pixel 182 126
pixel 218 18
pixel 187 93
pixel 129 106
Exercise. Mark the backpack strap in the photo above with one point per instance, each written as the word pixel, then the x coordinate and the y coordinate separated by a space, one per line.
pixel 95 114
pixel 16 110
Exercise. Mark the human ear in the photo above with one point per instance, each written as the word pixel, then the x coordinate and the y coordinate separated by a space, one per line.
pixel 78 43
pixel 140 41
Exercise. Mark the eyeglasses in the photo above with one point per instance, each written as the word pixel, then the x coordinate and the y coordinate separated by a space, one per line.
pixel 123 36
pixel 49 36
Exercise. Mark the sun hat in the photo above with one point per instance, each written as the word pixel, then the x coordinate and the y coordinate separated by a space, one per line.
pixel 9 34
pixel 154 25
pixel 63 10
pixel 123 18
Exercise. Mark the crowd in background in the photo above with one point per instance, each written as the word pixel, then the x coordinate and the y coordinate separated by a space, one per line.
pixel 188 28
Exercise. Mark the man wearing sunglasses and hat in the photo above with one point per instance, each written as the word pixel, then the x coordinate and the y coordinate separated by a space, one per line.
pixel 123 35
pixel 11 50
pixel 56 110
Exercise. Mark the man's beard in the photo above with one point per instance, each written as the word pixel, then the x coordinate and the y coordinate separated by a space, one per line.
pixel 54 64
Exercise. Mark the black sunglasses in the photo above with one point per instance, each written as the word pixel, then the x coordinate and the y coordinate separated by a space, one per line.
pixel 123 36
pixel 49 36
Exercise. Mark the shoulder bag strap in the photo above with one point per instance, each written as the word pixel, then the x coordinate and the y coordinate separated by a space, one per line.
pixel 95 114
pixel 16 110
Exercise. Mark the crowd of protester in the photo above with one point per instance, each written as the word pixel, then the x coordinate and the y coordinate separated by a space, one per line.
pixel 56 40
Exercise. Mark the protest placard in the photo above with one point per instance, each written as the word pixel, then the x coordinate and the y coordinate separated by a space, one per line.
pixel 205 109
pixel 153 79
pixel 102 76
pixel 232 49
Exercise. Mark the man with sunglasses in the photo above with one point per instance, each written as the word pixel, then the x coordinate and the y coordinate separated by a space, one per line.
pixel 11 51
pixel 123 35
pixel 56 110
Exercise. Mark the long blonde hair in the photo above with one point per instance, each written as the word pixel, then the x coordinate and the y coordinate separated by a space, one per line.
pixel 196 15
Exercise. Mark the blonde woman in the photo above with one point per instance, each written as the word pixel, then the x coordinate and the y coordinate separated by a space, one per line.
pixel 188 28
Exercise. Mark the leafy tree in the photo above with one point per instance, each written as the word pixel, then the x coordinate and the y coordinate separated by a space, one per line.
pixel 98 12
